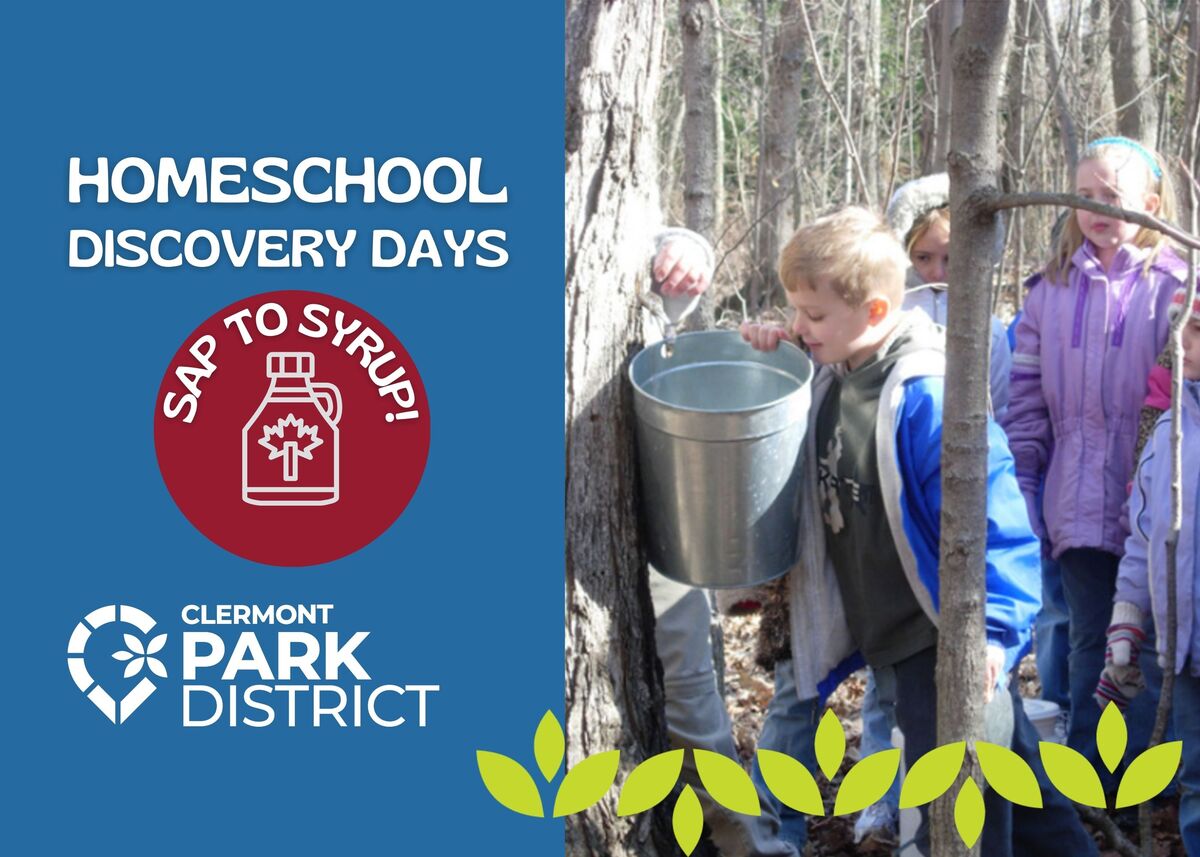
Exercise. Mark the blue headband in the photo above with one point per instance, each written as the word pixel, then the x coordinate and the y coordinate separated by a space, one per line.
pixel 1133 145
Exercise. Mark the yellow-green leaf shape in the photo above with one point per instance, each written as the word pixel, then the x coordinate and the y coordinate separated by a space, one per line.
pixel 1111 736
pixel 791 782
pixel 932 775
pixel 549 745
pixel 1009 775
pixel 867 782
pixel 1072 774
pixel 586 783
pixel 727 782
pixel 1149 774
pixel 830 744
pixel 650 782
pixel 509 783
pixel 969 813
pixel 687 820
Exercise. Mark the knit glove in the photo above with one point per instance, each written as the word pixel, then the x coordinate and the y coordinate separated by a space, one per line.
pixel 1121 679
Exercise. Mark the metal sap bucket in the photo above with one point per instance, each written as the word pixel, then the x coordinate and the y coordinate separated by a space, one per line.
pixel 720 428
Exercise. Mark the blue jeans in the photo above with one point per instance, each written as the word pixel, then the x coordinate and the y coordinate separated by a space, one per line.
pixel 790 727
pixel 1052 641
pixel 1089 579
pixel 1052 831
pixel 696 715
pixel 877 735
pixel 1186 711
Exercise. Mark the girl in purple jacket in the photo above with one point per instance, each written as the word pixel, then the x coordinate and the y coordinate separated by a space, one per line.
pixel 1142 582
pixel 1092 328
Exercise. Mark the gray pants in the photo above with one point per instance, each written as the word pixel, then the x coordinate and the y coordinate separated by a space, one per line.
pixel 696 715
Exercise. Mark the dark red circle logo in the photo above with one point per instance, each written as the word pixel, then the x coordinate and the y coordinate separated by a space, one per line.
pixel 291 428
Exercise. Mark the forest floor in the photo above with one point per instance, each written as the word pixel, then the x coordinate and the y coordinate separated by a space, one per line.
pixel 748 689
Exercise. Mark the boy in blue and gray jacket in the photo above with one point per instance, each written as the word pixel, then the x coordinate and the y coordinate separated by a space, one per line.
pixel 866 585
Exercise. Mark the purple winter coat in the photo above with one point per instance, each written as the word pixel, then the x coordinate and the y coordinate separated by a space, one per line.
pixel 1080 368
pixel 1142 579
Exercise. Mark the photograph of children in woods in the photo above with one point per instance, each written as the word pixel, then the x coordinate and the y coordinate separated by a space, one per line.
pixel 848 285
pixel 1089 475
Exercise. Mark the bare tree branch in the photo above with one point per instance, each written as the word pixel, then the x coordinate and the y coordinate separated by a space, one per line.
pixel 847 136
pixel 1099 818
pixel 992 201
pixel 898 123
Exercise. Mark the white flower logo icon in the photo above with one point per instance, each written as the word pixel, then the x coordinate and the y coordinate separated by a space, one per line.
pixel 139 656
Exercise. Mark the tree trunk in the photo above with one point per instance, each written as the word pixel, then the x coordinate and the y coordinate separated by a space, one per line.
pixel 948 22
pixel 1019 66
pixel 1015 98
pixel 1129 47
pixel 872 145
pixel 973 165
pixel 1066 124
pixel 1191 151
pixel 848 103
pixel 703 141
pixel 613 684
pixel 781 126
pixel 931 44
pixel 1094 61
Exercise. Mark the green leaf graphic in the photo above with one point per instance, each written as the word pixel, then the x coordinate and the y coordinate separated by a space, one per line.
pixel 727 782
pixel 586 783
pixel 1111 736
pixel 1149 774
pixel 932 775
pixel 687 820
pixel 1009 775
pixel 830 744
pixel 509 783
pixel 969 813
pixel 1072 774
pixel 650 782
pixel 549 745
pixel 867 782
pixel 791 782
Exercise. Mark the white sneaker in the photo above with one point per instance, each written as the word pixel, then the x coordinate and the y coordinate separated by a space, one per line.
pixel 878 823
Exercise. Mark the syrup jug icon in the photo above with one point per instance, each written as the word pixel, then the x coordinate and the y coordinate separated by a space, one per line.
pixel 290 445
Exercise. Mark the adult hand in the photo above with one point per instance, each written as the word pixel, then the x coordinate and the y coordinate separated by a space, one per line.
pixel 681 268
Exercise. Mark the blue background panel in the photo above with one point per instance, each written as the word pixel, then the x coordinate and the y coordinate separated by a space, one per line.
pixel 464 590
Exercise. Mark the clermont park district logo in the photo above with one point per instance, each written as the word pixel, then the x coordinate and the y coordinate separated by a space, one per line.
pixel 138 655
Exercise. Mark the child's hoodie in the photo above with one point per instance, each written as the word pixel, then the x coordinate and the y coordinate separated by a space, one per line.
pixel 1142 579
pixel 1084 354
pixel 907 423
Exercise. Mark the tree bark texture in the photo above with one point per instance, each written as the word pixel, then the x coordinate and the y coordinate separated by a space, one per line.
pixel 932 43
pixel 1095 63
pixel 978 68
pixel 1066 124
pixel 872 146
pixel 948 23
pixel 1018 83
pixel 1191 149
pixel 777 162
pixel 1015 98
pixel 1129 47
pixel 703 140
pixel 613 682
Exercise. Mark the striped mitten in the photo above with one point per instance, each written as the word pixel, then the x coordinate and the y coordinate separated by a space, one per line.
pixel 1121 679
